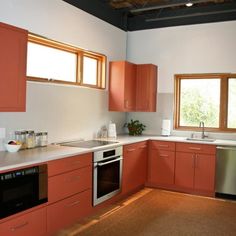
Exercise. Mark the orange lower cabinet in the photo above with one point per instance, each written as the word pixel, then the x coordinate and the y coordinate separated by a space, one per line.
pixel 134 166
pixel 204 172
pixel 33 223
pixel 163 164
pixel 184 170
pixel 68 211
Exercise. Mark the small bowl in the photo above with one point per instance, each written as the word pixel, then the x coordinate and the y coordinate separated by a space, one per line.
pixel 13 147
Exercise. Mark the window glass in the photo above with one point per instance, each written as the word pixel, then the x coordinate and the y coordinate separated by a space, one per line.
pixel 199 101
pixel 89 70
pixel 51 63
pixel 232 103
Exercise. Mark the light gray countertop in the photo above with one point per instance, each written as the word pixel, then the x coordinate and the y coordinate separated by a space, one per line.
pixel 52 152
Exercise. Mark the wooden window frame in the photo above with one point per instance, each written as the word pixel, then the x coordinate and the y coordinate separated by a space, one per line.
pixel 80 53
pixel 223 112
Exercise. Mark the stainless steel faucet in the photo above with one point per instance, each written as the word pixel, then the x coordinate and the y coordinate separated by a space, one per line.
pixel 201 124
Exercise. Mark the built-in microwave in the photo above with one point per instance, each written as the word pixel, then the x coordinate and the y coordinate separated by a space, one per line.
pixel 22 189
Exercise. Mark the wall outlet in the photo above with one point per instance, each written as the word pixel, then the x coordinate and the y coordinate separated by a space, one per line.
pixel 2 133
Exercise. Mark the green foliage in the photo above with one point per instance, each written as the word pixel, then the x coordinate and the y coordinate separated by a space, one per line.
pixel 194 108
pixel 135 127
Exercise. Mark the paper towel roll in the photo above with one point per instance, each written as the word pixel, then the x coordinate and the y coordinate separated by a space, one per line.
pixel 112 130
pixel 165 128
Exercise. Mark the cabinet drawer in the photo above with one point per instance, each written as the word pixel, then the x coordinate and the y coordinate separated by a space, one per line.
pixel 134 146
pixel 195 148
pixel 66 212
pixel 33 223
pixel 68 164
pixel 163 145
pixel 67 184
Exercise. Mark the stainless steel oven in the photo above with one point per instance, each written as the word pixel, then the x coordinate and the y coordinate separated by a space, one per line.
pixel 22 189
pixel 107 174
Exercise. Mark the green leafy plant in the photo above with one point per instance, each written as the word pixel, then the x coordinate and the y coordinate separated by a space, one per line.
pixel 135 127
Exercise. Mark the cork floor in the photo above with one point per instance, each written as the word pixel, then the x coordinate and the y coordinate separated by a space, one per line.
pixel 157 212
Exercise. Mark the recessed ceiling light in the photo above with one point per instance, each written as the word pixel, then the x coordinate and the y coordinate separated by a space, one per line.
pixel 189 4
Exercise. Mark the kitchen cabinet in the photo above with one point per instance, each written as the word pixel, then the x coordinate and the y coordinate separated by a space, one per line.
pixel 69 190
pixel 13 48
pixel 146 87
pixel 68 211
pixel 161 164
pixel 122 84
pixel 195 167
pixel 132 87
pixel 134 166
pixel 32 223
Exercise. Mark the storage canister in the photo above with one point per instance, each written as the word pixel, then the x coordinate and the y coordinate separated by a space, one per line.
pixel 30 139
pixel 20 136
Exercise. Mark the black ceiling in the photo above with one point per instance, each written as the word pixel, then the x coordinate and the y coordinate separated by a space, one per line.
pixel 131 15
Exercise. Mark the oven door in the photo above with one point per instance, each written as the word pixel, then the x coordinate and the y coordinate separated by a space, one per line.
pixel 106 179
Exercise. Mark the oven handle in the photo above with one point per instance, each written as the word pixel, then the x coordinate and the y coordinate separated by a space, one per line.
pixel 108 162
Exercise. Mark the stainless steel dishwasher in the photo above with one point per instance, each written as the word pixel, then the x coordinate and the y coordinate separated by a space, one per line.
pixel 226 172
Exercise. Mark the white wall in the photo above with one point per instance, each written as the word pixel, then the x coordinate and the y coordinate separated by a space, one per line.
pixel 203 48
pixel 64 111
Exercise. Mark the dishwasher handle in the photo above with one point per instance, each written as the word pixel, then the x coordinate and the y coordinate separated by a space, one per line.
pixel 232 148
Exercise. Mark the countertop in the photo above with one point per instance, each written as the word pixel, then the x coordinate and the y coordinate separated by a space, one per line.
pixel 52 152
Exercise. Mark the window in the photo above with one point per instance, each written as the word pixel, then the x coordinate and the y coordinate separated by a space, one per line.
pixel 90 67
pixel 210 98
pixel 48 60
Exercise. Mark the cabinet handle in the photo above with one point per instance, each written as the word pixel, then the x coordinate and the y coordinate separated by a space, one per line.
pixel 131 150
pixel 75 163
pixel 73 204
pixel 194 148
pixel 162 145
pixel 73 178
pixel 196 161
pixel 126 104
pixel 142 147
pixel 164 155
pixel 19 226
pixel 193 157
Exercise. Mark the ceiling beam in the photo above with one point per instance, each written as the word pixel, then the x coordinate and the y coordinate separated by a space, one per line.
pixel 186 16
pixel 167 5
pixel 191 15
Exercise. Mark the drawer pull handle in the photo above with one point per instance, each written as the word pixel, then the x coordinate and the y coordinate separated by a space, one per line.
pixel 76 162
pixel 142 147
pixel 131 150
pixel 162 145
pixel 19 226
pixel 193 157
pixel 195 148
pixel 72 179
pixel 73 204
pixel 164 155
pixel 196 162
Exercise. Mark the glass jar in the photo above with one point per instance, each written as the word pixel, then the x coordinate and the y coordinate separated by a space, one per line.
pixel 41 139
pixel 30 139
pixel 20 136
pixel 38 139
pixel 44 139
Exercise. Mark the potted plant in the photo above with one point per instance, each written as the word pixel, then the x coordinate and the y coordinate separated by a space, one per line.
pixel 135 127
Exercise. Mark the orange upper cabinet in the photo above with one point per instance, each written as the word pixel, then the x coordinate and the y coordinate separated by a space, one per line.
pixel 132 87
pixel 13 48
pixel 146 83
pixel 122 84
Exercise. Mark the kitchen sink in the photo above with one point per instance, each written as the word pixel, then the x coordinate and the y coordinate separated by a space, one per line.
pixel 201 139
